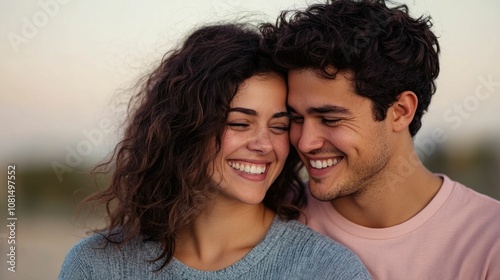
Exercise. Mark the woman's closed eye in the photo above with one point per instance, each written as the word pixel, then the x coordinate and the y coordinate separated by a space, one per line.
pixel 238 125
pixel 279 128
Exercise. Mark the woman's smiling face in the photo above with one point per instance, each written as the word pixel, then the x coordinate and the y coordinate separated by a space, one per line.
pixel 255 144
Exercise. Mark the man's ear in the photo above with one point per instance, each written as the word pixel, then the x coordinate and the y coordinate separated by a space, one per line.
pixel 403 110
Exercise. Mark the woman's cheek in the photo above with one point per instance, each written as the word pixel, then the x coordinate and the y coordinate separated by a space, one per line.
pixel 282 146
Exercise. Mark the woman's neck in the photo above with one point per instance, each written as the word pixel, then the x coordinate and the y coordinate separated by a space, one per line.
pixel 222 235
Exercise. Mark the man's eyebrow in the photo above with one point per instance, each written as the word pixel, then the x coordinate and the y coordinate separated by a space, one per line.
pixel 328 109
pixel 323 110
pixel 254 113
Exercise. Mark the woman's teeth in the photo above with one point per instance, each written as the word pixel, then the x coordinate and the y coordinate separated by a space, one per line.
pixel 248 168
pixel 320 164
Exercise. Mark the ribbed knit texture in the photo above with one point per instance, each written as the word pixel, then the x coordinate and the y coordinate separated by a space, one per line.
pixel 289 251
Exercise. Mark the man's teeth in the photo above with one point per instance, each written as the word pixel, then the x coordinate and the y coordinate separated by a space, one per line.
pixel 248 168
pixel 319 164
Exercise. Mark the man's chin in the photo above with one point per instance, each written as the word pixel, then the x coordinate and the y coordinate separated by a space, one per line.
pixel 320 190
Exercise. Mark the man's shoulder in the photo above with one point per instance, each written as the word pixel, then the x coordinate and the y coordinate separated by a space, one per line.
pixel 464 195
pixel 467 208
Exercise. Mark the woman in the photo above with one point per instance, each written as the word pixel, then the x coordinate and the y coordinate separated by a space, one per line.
pixel 202 185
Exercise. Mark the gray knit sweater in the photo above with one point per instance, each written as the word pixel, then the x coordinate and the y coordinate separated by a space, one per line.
pixel 289 250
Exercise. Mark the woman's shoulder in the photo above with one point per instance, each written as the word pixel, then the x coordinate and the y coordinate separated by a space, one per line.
pixel 100 242
pixel 299 234
pixel 101 253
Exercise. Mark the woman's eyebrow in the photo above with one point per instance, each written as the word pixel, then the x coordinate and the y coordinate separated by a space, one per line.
pixel 244 111
pixel 254 113
pixel 281 115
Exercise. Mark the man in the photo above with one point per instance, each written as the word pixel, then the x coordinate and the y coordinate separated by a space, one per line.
pixel 361 75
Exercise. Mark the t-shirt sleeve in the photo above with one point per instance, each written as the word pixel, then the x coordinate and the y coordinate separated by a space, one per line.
pixel 493 269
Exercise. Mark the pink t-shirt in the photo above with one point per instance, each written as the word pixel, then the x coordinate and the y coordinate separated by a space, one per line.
pixel 456 236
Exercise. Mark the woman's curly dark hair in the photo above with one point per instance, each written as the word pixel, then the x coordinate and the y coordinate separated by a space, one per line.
pixel 385 48
pixel 159 178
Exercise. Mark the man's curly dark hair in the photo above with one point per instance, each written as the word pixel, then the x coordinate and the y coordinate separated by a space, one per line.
pixel 386 49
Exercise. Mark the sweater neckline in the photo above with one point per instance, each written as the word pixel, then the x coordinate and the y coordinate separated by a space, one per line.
pixel 242 266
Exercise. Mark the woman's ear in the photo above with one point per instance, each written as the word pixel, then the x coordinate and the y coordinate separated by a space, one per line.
pixel 403 110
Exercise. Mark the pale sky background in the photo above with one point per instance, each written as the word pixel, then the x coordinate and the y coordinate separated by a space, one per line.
pixel 63 63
